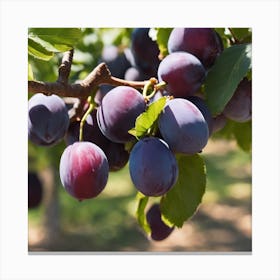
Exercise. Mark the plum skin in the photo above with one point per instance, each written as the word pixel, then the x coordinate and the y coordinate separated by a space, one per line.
pixel 152 166
pixel 183 73
pixel 239 107
pixel 118 111
pixel 201 105
pixel 159 230
pixel 48 119
pixel 183 127
pixel 83 170
pixel 145 51
pixel 204 43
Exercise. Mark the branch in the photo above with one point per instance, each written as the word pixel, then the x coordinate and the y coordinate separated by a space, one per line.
pixel 236 41
pixel 99 76
pixel 65 67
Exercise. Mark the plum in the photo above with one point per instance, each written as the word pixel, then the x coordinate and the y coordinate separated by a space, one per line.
pixel 204 43
pixel 115 60
pixel 35 190
pixel 159 230
pixel 118 111
pixel 153 167
pixel 183 126
pixel 239 107
pixel 83 170
pixel 183 73
pixel 117 155
pixel 48 119
pixel 145 51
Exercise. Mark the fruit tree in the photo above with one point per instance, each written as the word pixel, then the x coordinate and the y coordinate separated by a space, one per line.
pixel 149 98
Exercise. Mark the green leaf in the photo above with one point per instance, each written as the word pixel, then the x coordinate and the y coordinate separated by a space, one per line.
pixel 140 213
pixel 181 202
pixel 56 39
pixel 243 135
pixel 162 36
pixel 147 120
pixel 38 51
pixel 225 75
pixel 30 73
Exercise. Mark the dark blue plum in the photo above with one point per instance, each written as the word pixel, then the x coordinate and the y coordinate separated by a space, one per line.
pixel 117 156
pixel 83 170
pixel 35 190
pixel 183 73
pixel 115 60
pixel 118 111
pixel 204 43
pixel 183 127
pixel 239 107
pixel 201 105
pixel 48 119
pixel 159 230
pixel 145 51
pixel 152 166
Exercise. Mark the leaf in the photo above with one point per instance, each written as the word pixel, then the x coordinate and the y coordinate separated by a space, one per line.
pixel 56 39
pixel 181 202
pixel 38 50
pixel 161 35
pixel 140 213
pixel 225 75
pixel 243 135
pixel 30 73
pixel 146 120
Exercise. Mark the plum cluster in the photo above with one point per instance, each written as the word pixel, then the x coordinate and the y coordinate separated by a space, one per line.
pixel 183 126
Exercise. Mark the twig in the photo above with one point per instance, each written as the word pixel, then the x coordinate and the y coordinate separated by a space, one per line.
pixel 65 67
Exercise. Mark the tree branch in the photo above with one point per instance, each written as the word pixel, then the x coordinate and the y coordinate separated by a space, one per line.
pixel 100 75
pixel 65 67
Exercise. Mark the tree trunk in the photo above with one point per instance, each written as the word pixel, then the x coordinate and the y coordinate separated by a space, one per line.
pixel 51 221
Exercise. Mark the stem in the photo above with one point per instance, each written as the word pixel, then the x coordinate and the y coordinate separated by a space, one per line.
pixel 89 110
pixel 151 83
